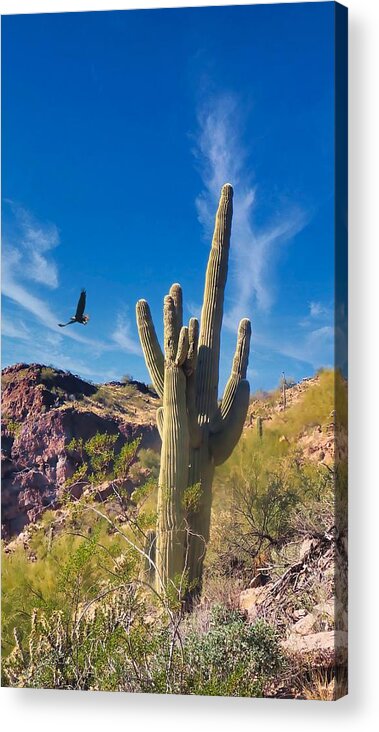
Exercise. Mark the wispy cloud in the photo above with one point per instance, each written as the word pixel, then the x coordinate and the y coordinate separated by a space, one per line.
pixel 222 158
pixel 41 310
pixel 316 309
pixel 318 313
pixel 12 329
pixel 27 261
pixel 315 348
pixel 311 343
pixel 29 250
pixel 123 338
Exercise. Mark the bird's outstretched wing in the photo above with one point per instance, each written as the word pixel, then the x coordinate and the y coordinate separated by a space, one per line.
pixel 63 325
pixel 81 305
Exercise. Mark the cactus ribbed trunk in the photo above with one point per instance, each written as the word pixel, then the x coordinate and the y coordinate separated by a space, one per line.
pixel 207 375
pixel 173 476
pixel 201 472
pixel 197 432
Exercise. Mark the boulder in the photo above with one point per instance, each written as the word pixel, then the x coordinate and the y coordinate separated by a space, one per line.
pixel 324 649
pixel 251 599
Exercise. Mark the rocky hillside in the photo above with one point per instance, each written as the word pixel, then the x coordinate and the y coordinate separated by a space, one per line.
pixel 303 421
pixel 43 409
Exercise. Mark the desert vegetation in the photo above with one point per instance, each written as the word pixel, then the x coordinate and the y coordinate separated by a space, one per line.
pixel 82 609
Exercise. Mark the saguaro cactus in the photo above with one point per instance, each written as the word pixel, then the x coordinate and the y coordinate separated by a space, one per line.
pixel 197 432
pixel 260 427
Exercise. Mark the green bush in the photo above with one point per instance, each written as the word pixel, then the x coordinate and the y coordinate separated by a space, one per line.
pixel 97 460
pixel 232 657
pixel 48 374
pixel 29 584
pixel 13 427
pixel 114 398
pixel 151 460
pixel 116 647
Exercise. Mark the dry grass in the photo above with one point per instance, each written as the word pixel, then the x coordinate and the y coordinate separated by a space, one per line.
pixel 325 685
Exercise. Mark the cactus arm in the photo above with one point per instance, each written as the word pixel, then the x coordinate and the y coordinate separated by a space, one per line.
pixel 238 372
pixel 173 475
pixel 160 417
pixel 177 297
pixel 183 345
pixel 169 330
pixel 193 341
pixel 150 346
pixel 223 442
pixel 212 310
pixel 190 371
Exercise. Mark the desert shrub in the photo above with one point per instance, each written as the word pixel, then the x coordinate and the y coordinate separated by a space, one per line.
pixel 14 427
pixel 97 459
pixel 114 398
pixel 100 452
pixel 38 584
pixel 118 647
pixel 47 374
pixel 80 475
pixel 151 460
pixel 124 460
pixel 315 406
pixel 91 651
pixel 262 503
pixel 267 493
pixel 262 500
pixel 232 657
pixel 191 498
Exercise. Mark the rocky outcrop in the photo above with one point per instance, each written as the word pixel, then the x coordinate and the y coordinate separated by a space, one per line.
pixel 316 635
pixel 39 420
pixel 34 389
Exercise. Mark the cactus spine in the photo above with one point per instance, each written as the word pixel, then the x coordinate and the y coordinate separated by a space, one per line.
pixel 197 432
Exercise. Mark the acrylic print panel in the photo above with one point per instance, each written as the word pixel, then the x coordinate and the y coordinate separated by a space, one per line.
pixel 175 455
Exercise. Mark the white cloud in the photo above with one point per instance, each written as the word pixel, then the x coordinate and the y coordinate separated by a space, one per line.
pixel 11 329
pixel 317 309
pixel 41 310
pixel 28 266
pixel 318 313
pixel 123 338
pixel 316 348
pixel 25 260
pixel 222 158
pixel 34 240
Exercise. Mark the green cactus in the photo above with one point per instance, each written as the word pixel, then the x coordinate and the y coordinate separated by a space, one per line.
pixel 260 427
pixel 197 432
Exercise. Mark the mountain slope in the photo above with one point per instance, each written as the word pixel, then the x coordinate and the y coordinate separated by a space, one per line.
pixel 43 409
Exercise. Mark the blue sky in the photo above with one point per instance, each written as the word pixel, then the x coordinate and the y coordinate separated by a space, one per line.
pixel 119 129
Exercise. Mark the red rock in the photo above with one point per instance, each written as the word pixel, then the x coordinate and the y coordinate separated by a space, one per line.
pixel 35 461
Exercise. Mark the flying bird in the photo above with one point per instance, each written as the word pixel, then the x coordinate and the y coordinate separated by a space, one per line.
pixel 79 316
